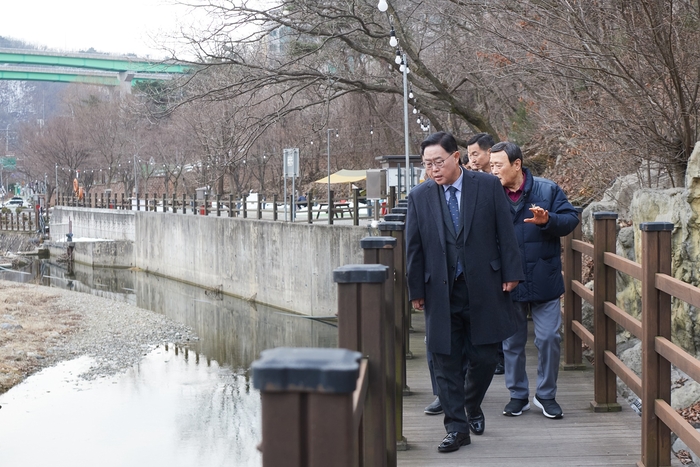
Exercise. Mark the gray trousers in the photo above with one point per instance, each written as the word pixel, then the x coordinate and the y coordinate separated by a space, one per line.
pixel 546 316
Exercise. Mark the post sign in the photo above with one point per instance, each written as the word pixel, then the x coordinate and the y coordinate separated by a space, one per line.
pixel 291 162
pixel 8 162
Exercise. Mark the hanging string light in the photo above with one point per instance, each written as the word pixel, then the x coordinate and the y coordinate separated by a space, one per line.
pixel 392 40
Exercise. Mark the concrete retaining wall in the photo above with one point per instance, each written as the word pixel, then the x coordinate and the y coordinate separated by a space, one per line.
pixel 275 263
pixel 110 224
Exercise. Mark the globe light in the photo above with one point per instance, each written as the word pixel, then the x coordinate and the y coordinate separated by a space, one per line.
pixel 392 40
pixel 418 120
pixel 402 67
pixel 415 111
pixel 397 59
pixel 410 94
pixel 383 6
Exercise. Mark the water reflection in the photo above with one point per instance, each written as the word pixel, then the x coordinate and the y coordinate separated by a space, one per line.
pixel 166 411
pixel 178 407
pixel 232 331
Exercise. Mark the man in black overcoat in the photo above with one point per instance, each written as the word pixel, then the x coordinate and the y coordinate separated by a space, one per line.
pixel 462 262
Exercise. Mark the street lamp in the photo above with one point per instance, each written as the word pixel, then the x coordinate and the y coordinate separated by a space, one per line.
pixel 404 66
pixel 328 139
pixel 401 59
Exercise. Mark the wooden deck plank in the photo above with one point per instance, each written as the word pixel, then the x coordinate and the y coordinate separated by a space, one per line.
pixel 581 438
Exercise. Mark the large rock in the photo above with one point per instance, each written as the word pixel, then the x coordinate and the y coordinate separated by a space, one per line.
pixel 618 198
pixel 681 207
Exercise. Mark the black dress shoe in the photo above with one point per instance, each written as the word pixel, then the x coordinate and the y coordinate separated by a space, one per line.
pixel 453 441
pixel 477 423
pixel 500 369
pixel 435 408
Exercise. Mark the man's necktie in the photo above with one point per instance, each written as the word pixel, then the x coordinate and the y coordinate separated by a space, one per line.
pixel 453 206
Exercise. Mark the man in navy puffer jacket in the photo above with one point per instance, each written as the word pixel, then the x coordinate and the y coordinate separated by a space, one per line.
pixel 541 215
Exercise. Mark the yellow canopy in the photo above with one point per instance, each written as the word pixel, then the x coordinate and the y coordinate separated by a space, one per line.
pixel 344 176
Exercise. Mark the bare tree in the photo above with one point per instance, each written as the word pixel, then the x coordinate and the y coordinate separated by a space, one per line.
pixel 328 49
pixel 619 77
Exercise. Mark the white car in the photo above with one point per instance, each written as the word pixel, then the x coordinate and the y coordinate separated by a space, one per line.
pixel 15 202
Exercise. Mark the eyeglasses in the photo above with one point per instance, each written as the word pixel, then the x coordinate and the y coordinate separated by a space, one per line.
pixel 436 163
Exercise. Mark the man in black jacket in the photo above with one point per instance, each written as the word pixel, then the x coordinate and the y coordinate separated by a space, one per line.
pixel 462 261
pixel 541 215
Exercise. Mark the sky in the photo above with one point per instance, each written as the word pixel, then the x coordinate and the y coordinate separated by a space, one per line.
pixel 116 27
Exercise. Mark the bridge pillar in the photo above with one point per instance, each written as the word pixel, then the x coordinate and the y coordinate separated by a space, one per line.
pixel 125 78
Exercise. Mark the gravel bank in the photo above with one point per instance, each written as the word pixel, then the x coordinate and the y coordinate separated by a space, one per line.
pixel 40 326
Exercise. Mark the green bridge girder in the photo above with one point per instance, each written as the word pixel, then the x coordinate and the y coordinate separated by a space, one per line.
pixel 89 61
pixel 59 75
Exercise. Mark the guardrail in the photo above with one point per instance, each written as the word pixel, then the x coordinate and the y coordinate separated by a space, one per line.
pixel 309 211
pixel 653 387
pixel 17 222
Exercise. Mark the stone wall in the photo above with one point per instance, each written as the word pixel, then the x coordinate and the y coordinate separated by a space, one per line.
pixel 681 207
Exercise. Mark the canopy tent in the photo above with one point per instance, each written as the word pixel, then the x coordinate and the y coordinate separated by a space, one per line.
pixel 344 176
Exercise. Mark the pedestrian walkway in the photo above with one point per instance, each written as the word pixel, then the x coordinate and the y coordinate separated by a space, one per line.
pixel 581 438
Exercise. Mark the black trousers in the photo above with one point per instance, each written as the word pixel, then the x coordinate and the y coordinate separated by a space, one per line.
pixel 456 396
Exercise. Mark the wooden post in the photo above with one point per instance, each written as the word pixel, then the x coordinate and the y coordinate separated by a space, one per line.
pixel 605 383
pixel 309 208
pixel 184 203
pixel 330 208
pixel 391 202
pixel 274 207
pixel 230 205
pixel 572 303
pixel 390 223
pixel 361 327
pixel 381 250
pixel 173 203
pixel 355 207
pixel 307 406
pixel 656 321
pixel 218 205
pixel 244 206
pixel 396 230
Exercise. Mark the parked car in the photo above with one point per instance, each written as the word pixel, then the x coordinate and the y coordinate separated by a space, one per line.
pixel 15 202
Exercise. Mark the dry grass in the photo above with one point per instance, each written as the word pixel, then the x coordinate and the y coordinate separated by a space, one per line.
pixel 33 325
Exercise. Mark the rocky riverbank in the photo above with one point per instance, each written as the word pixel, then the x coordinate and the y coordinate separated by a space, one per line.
pixel 40 326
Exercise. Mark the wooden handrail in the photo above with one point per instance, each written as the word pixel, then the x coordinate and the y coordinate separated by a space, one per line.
pixel 678 289
pixel 623 265
pixel 658 286
pixel 582 291
pixel 623 372
pixel 677 424
pixel 679 357
pixel 623 318
pixel 582 247
pixel 584 334
pixel 359 396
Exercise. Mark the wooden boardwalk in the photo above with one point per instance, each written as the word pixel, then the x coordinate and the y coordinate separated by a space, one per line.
pixel 581 438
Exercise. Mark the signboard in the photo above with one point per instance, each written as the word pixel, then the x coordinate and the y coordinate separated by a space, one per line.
pixel 392 177
pixel 291 162
pixel 8 162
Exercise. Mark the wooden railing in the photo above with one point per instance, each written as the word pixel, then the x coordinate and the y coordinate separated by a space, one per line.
pixel 368 419
pixel 236 206
pixel 17 222
pixel 653 387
